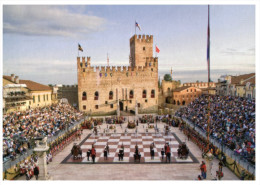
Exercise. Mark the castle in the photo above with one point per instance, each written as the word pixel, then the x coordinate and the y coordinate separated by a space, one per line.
pixel 106 90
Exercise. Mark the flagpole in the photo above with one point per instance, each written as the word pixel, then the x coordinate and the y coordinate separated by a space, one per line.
pixel 155 50
pixel 135 27
pixel 208 58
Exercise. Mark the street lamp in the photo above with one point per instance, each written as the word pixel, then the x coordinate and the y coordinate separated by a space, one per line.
pixel 209 157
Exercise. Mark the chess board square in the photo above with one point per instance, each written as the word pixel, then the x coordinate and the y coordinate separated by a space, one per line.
pixel 125 137
pixel 135 135
pixel 125 150
pixel 85 160
pixel 115 135
pixel 188 160
pixel 86 146
pixel 84 155
pixel 157 135
pixel 99 150
pixel 147 150
pixel 112 146
pixel 168 136
pixel 147 137
pixel 113 140
pixel 90 160
pixel 174 143
pixel 124 143
pixel 147 142
pixel 100 143
pixel 155 159
pixel 104 137
pixel 125 160
pixel 159 139
pixel 136 140
pixel 139 146
pixel 174 149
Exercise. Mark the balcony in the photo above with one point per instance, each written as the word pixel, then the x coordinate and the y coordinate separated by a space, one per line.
pixel 84 98
pixel 152 95
pixel 111 97
pixel 144 95
pixel 131 96
pixel 96 98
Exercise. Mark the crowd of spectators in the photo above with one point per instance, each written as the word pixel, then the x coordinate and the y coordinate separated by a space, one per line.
pixel 21 128
pixel 232 121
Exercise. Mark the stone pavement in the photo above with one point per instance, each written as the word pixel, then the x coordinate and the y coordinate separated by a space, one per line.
pixel 174 171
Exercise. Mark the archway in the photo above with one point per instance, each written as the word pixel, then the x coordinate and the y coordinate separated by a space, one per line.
pixel 121 105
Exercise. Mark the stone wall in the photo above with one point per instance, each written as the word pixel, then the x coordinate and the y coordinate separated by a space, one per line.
pixel 70 92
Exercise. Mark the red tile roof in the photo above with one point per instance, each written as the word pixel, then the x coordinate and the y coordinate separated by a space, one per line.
pixel 245 78
pixel 33 86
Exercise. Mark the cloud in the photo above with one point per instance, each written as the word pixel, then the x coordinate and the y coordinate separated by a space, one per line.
pixel 49 21
pixel 238 52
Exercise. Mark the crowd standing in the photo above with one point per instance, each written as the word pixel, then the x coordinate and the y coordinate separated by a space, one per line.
pixel 232 121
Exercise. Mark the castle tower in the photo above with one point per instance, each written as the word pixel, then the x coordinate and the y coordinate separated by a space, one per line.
pixel 140 48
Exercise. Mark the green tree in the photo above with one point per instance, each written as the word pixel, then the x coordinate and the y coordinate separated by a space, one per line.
pixel 167 77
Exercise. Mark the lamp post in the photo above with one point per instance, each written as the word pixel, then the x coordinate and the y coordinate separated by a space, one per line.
pixel 209 157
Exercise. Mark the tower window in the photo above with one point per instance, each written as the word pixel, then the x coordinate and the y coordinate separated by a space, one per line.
pixel 111 106
pixel 153 93
pixel 131 95
pixel 144 48
pixel 144 93
pixel 84 107
pixel 96 106
pixel 111 95
pixel 84 96
pixel 96 95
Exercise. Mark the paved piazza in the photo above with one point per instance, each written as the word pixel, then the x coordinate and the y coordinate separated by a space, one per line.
pixel 127 170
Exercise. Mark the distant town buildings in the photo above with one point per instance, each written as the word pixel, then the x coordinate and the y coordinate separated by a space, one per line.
pixel 242 85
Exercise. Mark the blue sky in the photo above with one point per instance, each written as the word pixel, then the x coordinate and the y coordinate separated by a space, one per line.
pixel 40 42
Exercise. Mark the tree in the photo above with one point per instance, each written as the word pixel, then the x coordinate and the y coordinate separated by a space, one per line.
pixel 167 77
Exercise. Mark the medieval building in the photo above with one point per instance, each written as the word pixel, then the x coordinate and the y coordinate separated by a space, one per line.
pixel 104 90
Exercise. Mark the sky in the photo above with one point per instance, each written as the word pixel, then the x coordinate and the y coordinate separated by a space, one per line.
pixel 40 42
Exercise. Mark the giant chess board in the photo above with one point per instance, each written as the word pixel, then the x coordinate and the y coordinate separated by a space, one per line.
pixel 143 140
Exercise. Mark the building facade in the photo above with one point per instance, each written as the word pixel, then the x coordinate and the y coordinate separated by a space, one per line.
pixel 242 86
pixel 104 90
pixel 38 95
pixel 186 94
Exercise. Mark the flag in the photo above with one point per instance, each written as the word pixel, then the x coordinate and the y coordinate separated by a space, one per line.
pixel 208 48
pixel 80 48
pixel 137 25
pixel 157 49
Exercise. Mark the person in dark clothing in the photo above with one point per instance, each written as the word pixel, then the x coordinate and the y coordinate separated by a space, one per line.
pixel 105 154
pixel 162 153
pixel 36 172
pixel 88 153
pixel 107 148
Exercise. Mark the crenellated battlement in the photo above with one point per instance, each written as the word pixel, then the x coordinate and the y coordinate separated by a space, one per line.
pixel 142 38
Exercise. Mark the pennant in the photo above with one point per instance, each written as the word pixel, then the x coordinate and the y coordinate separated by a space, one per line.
pixel 100 74
pixel 127 74
pixel 105 74
pixel 80 48
pixel 157 49
pixel 137 25
pixel 111 74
